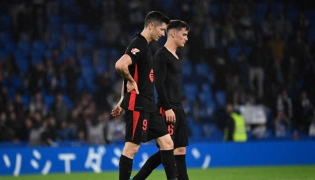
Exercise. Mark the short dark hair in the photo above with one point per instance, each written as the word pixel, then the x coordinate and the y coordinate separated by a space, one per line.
pixel 155 17
pixel 177 24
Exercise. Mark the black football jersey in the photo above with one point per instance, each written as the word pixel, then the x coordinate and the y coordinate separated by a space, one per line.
pixel 168 83
pixel 142 72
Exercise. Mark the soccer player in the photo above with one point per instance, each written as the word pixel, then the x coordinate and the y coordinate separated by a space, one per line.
pixel 167 73
pixel 143 120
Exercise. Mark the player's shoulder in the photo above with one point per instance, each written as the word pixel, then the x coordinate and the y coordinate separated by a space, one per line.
pixel 161 51
pixel 139 42
pixel 137 46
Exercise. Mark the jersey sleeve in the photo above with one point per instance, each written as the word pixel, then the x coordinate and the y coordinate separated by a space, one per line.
pixel 136 50
pixel 160 70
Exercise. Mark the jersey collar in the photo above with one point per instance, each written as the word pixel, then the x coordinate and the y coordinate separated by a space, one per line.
pixel 142 37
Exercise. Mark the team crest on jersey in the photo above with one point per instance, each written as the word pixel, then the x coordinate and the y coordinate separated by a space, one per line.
pixel 135 51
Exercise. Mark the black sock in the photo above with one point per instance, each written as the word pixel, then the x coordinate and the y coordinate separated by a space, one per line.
pixel 181 167
pixel 125 167
pixel 169 164
pixel 153 162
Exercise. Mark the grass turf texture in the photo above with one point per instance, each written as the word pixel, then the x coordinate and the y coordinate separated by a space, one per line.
pixel 235 173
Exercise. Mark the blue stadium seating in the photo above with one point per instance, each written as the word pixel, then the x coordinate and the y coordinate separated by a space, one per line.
pixel 203 73
pixel 71 45
pixel 65 24
pixel 100 69
pixel 11 93
pixel 292 16
pixel 39 45
pixel 310 15
pixel 233 52
pixel 87 47
pixel 54 23
pixel 16 82
pixel 68 101
pixel 24 47
pixel 205 87
pixel 196 130
pixel 21 62
pixel 67 4
pixel 80 84
pixel 86 63
pixel 48 100
pixel 5 37
pixel 3 53
pixel 261 10
pixel 69 30
pixel 91 36
pixel 214 10
pixel 81 30
pixel 55 36
pixel 9 47
pixel 36 57
pixel 6 22
pixel 190 91
pixel 187 69
pixel 202 69
pixel 88 76
pixel 247 50
pixel 114 53
pixel 220 98
pixel 262 7
pixel 205 97
pixel 48 54
pixel 63 84
pixel 276 8
pixel 87 72
pixel 311 35
pixel 68 53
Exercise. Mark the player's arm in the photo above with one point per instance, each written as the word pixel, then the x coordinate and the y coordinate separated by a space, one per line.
pixel 122 67
pixel 118 110
pixel 160 70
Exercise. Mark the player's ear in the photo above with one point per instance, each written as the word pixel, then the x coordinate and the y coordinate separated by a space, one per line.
pixel 173 33
pixel 151 25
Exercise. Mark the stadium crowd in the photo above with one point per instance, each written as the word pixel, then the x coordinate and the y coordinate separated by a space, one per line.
pixel 58 82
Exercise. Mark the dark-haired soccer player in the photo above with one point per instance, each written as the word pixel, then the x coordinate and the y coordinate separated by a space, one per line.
pixel 143 120
pixel 167 73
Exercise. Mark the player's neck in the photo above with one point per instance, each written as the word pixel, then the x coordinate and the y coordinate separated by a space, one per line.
pixel 171 46
pixel 146 34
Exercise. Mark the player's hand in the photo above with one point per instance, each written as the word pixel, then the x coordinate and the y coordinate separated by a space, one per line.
pixel 117 111
pixel 132 85
pixel 170 116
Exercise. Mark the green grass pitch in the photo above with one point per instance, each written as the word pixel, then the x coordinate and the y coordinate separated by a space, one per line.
pixel 235 173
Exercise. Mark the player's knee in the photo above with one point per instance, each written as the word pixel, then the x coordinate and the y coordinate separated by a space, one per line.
pixel 166 143
pixel 130 150
pixel 180 151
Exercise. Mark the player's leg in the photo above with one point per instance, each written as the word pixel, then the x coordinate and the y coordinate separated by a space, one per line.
pixel 167 156
pixel 126 160
pixel 158 130
pixel 136 132
pixel 180 158
pixel 180 138
pixel 153 162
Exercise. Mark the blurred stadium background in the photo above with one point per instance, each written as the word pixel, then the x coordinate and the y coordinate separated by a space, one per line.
pixel 58 82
